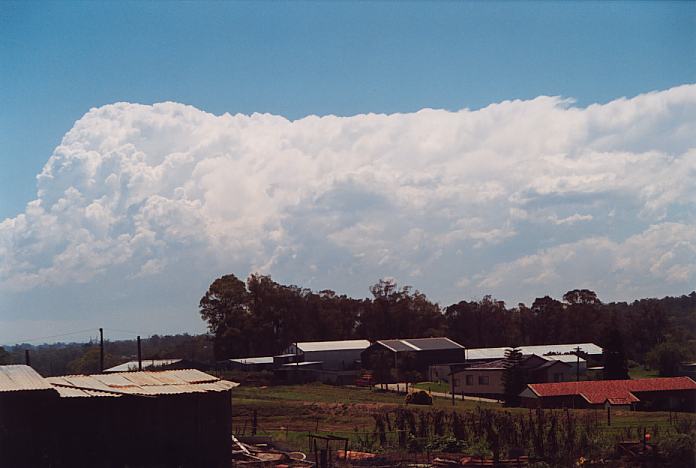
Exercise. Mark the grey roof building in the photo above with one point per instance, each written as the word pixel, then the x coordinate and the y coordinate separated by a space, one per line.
pixel 415 354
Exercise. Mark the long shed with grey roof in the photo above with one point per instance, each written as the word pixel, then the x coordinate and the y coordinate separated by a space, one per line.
pixel 567 349
pixel 334 355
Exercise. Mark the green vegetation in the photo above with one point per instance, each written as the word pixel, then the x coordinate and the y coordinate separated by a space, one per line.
pixel 320 393
pixel 666 357
pixel 642 372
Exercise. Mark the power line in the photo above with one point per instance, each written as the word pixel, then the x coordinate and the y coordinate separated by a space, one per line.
pixel 28 340
pixel 130 332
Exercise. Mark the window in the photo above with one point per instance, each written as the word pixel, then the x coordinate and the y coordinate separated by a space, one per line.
pixel 483 380
pixel 470 380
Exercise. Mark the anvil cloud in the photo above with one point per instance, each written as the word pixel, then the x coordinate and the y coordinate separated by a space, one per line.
pixel 518 199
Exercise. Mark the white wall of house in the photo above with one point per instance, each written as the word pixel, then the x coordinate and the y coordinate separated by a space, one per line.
pixel 479 381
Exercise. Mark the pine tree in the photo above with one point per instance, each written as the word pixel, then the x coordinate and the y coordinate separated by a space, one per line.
pixel 513 376
pixel 615 362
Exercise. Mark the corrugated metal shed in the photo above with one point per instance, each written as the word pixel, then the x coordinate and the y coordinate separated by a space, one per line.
pixel 539 350
pixel 168 382
pixel 309 346
pixel 255 360
pixel 301 364
pixel 148 364
pixel 17 378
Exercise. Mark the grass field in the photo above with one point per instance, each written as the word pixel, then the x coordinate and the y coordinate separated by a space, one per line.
pixel 289 413
pixel 441 387
pixel 640 372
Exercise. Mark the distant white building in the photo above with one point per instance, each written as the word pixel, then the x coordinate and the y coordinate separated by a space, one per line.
pixel 249 363
pixel 335 355
pixel 559 352
pixel 157 364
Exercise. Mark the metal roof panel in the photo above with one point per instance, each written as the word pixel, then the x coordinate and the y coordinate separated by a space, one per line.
pixel 146 383
pixel 17 377
pixel 148 364
pixel 309 346
pixel 421 344
pixel 540 350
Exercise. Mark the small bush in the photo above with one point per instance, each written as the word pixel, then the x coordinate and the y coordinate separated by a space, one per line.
pixel 679 450
pixel 447 444
pixel 414 444
pixel 420 397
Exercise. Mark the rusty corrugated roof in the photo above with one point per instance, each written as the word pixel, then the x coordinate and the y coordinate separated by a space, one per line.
pixel 140 383
pixel 16 378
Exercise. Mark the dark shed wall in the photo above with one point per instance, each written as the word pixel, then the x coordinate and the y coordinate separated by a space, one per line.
pixel 185 430
pixel 414 360
pixel 676 400
pixel 566 401
pixel 26 428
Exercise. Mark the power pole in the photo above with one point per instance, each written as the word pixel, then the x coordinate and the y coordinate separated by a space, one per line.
pixel 27 360
pixel 577 365
pixel 101 350
pixel 140 356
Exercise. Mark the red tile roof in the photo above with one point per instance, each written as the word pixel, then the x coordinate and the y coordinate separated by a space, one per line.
pixel 599 391
pixel 623 401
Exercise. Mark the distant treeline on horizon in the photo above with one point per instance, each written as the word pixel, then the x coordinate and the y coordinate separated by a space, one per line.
pixel 260 317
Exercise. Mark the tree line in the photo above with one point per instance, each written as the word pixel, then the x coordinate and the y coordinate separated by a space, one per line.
pixel 261 317
pixel 84 358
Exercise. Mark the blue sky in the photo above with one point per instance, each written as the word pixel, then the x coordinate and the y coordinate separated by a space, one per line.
pixel 145 204
pixel 59 59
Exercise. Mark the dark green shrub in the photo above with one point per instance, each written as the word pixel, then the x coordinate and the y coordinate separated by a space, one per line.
pixel 420 397
pixel 447 444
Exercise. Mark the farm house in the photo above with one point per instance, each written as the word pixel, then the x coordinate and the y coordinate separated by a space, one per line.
pixel 486 379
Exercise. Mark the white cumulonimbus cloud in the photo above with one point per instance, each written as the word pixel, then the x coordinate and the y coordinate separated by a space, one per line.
pixel 518 199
